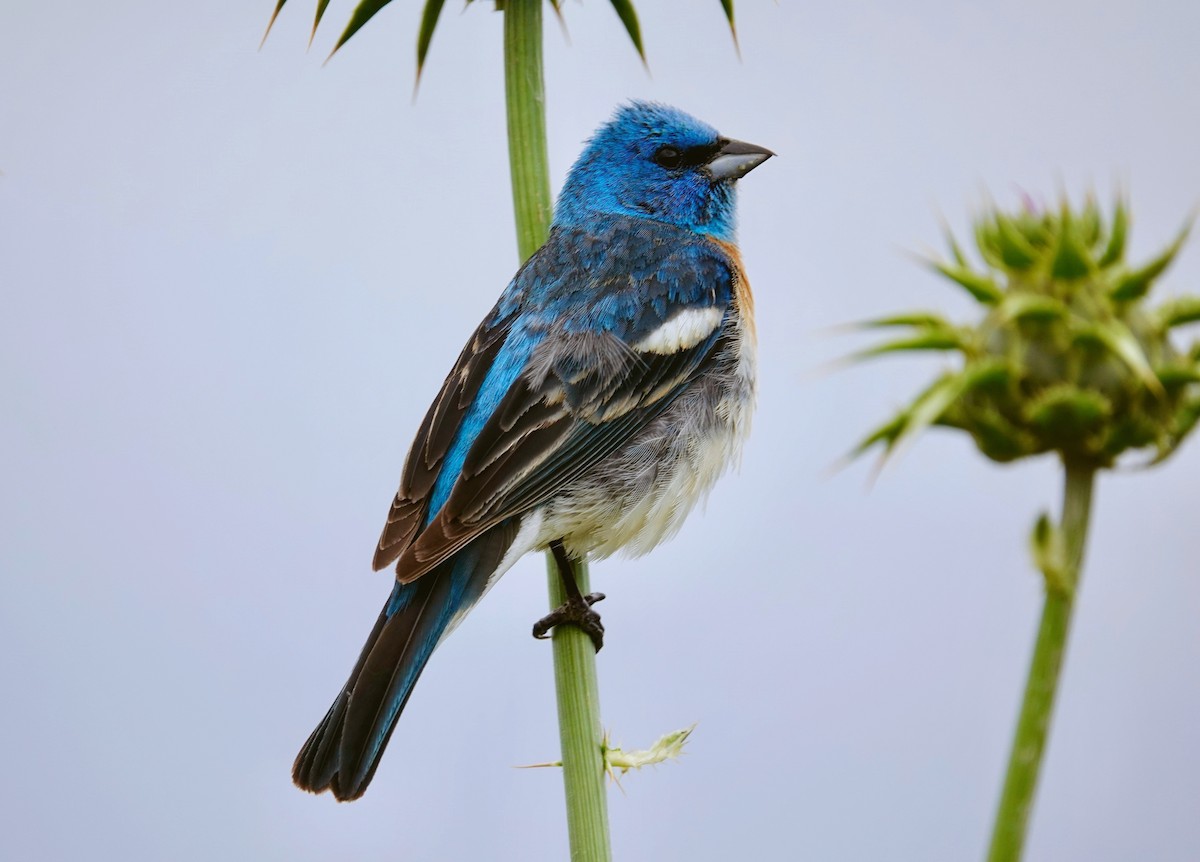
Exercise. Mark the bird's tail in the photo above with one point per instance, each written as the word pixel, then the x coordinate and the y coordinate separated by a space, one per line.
pixel 342 753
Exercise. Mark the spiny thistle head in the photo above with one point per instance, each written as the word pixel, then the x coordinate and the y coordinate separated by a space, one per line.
pixel 1068 357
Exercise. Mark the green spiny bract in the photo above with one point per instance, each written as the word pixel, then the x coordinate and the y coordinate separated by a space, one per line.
pixel 366 10
pixel 1068 357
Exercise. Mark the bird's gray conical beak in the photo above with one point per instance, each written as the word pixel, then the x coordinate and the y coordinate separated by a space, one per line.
pixel 735 159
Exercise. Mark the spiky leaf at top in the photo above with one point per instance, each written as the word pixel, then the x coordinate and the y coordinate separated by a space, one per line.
pixel 271 22
pixel 628 16
pixel 431 12
pixel 322 5
pixel 429 20
pixel 363 12
pixel 727 6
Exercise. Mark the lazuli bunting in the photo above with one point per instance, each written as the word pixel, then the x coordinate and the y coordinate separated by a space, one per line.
pixel 599 400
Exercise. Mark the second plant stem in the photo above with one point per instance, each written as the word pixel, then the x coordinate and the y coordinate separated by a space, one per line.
pixel 1037 707
pixel 574 656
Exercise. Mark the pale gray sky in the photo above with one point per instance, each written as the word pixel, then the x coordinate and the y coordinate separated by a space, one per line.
pixel 233 281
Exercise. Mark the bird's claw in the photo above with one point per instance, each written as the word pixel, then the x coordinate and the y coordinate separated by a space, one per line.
pixel 577 611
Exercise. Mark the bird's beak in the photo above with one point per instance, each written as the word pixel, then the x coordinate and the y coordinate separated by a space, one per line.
pixel 735 159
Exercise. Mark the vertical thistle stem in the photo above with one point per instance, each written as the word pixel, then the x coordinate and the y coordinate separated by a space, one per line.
pixel 1033 724
pixel 525 98
pixel 574 657
pixel 579 729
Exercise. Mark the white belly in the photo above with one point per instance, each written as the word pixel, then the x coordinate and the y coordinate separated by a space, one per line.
pixel 640 495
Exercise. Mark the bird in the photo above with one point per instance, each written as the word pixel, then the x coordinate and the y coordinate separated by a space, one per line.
pixel 599 400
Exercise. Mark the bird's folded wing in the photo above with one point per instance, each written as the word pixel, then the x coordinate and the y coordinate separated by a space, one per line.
pixel 579 398
pixel 434 438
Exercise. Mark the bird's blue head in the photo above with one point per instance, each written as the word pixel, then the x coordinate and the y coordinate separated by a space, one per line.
pixel 656 162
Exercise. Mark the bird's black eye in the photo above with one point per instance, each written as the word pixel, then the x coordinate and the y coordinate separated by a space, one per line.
pixel 669 157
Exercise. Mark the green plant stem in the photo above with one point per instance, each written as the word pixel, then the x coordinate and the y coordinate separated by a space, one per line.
pixel 525 96
pixel 574 657
pixel 579 729
pixel 1033 724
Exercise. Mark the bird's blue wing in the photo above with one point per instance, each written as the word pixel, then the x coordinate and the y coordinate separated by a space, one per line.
pixel 605 332
pixel 436 436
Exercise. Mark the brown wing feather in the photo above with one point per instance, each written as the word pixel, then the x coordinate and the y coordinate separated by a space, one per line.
pixel 410 505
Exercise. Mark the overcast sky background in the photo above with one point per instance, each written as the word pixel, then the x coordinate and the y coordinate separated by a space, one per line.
pixel 233 280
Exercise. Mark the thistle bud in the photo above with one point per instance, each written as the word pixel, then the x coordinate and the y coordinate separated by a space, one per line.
pixel 1067 356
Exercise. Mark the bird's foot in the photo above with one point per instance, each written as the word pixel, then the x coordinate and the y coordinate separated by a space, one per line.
pixel 576 610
